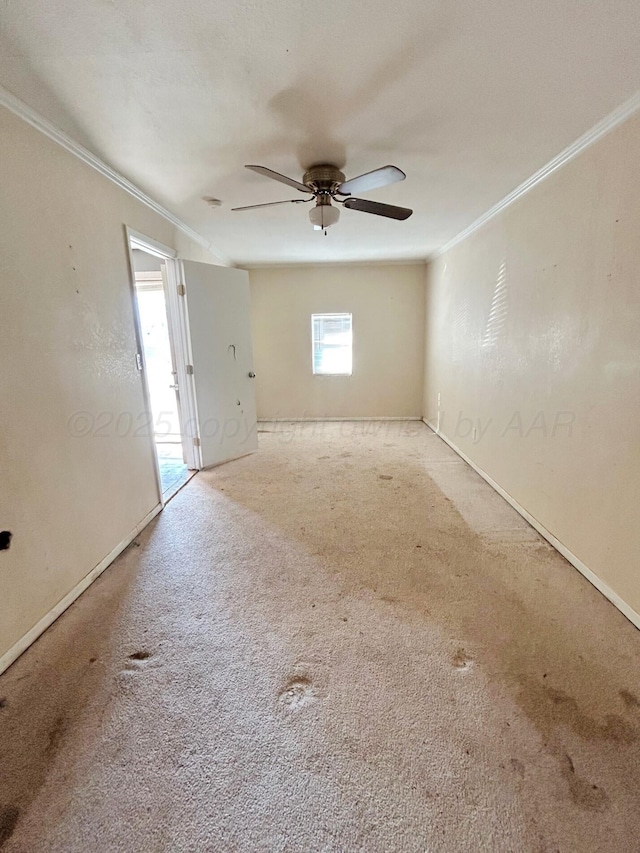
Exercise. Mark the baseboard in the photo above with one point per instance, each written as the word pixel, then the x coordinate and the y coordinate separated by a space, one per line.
pixel 599 584
pixel 48 619
pixel 330 420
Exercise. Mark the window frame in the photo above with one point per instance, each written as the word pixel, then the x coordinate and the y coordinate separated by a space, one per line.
pixel 313 341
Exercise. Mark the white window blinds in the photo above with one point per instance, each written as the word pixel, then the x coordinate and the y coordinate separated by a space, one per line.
pixel 332 344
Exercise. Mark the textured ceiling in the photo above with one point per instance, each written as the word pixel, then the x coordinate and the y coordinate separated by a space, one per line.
pixel 469 98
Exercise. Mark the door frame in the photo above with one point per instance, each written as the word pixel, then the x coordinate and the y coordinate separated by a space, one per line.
pixel 178 339
pixel 178 320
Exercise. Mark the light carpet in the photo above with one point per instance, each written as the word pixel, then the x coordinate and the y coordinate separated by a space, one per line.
pixel 344 642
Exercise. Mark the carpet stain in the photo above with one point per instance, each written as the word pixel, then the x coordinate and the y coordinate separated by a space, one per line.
pixel 564 708
pixel 46 693
pixel 461 660
pixel 629 699
pixel 136 662
pixel 297 693
pixel 518 767
pixel 8 820
pixel 385 477
pixel 549 708
pixel 584 793
pixel 56 733
pixel 142 655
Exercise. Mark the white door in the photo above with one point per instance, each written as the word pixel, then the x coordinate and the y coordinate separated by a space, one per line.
pixel 219 322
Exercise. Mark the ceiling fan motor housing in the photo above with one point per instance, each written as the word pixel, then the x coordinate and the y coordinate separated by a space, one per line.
pixel 323 179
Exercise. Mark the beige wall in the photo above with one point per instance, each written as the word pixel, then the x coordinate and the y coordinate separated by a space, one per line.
pixel 534 322
pixel 387 303
pixel 67 346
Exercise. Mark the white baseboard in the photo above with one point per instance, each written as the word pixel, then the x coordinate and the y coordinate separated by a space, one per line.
pixel 49 618
pixel 330 420
pixel 599 584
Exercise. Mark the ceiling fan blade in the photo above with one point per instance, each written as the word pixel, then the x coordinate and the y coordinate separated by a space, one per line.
pixel 372 180
pixel 389 210
pixel 269 173
pixel 270 203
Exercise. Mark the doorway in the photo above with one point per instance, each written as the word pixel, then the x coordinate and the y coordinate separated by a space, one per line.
pixel 193 330
pixel 150 277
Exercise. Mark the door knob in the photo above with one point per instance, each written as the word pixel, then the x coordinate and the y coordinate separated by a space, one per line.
pixel 252 375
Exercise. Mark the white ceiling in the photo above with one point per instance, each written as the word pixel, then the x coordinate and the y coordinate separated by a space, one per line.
pixel 469 98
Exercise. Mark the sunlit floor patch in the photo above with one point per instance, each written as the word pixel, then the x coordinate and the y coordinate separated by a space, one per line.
pixel 173 472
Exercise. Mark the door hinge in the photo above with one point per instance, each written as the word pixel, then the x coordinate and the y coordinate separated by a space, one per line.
pixel 181 290
pixel 139 360
pixel 196 442
pixel 189 369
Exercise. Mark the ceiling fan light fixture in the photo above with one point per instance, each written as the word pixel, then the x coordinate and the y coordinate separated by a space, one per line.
pixel 325 183
pixel 323 215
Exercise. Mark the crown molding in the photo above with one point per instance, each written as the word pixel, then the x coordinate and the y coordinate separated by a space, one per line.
pixel 40 123
pixel 32 117
pixel 609 123
pixel 378 262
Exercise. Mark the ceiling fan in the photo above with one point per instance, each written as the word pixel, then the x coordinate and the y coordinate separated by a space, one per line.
pixel 327 186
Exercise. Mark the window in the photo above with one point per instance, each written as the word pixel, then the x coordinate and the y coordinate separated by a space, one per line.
pixel 331 334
